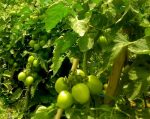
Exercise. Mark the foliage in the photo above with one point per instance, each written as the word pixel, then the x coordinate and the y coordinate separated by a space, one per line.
pixel 93 31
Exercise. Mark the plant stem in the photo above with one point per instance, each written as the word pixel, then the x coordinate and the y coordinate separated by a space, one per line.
pixel 74 64
pixel 114 78
pixel 73 68
pixel 27 96
pixel 84 66
pixel 58 114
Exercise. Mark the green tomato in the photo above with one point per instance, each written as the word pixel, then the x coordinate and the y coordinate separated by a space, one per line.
pixel 60 85
pixel 42 43
pixel 102 41
pixel 95 85
pixel 21 76
pixel 31 43
pixel 36 46
pixel 80 72
pixel 15 64
pixel 29 80
pixel 36 63
pixel 64 99
pixel 31 59
pixel 105 86
pixel 81 93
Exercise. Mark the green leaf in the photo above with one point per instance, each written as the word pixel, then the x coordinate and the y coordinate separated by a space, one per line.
pixel 96 1
pixel 141 46
pixel 41 112
pixel 44 65
pixel 145 23
pixel 55 14
pixel 137 89
pixel 34 86
pixel 139 82
pixel 85 43
pixel 17 94
pixel 80 26
pixel 61 46
pixel 147 31
pixel 121 42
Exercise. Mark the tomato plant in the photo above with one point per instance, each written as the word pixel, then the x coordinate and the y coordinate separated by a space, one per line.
pixel 97 51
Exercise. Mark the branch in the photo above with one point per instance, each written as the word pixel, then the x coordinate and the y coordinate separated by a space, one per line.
pixel 114 78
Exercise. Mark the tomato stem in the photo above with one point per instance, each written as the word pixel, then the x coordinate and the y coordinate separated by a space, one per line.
pixel 27 95
pixel 58 114
pixel 74 64
pixel 84 66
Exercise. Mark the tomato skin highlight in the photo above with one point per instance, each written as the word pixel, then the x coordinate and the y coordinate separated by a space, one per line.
pixel 64 99
pixel 21 76
pixel 95 85
pixel 81 93
pixel 60 85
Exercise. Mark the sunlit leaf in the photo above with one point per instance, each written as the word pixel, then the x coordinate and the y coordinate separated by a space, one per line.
pixel 54 15
pixel 80 26
pixel 141 46
pixel 85 43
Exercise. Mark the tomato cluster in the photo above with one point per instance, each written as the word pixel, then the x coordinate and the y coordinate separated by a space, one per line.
pixel 27 79
pixel 27 75
pixel 77 88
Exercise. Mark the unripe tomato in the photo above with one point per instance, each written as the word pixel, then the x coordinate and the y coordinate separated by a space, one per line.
pixel 42 43
pixel 36 46
pixel 60 85
pixel 64 99
pixel 15 64
pixel 36 63
pixel 102 41
pixel 21 76
pixel 31 43
pixel 80 72
pixel 29 80
pixel 105 86
pixel 31 59
pixel 81 93
pixel 94 85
